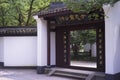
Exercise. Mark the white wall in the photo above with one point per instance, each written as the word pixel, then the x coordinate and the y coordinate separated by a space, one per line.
pixel 41 41
pixel 1 49
pixel 20 51
pixel 112 38
pixel 53 48
pixel 94 50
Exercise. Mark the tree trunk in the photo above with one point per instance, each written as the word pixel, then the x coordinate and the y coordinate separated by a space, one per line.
pixel 2 16
pixel 20 17
pixel 29 13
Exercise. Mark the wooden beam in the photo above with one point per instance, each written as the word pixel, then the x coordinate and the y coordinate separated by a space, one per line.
pixel 48 43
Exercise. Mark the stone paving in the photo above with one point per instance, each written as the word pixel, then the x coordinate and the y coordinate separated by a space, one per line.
pixel 26 74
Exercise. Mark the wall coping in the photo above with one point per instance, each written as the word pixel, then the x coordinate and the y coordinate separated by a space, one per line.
pixel 18 31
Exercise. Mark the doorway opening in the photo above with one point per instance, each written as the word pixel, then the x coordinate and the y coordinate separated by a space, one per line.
pixel 81 48
pixel 83 51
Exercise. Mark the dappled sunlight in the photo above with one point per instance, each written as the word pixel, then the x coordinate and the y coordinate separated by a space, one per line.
pixel 83 48
pixel 88 64
pixel 7 73
pixel 4 78
pixel 25 74
pixel 3 73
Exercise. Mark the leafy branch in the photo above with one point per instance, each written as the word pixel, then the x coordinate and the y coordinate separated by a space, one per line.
pixel 87 5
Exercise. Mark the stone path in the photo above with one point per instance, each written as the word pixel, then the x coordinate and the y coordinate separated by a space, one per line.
pixel 26 74
pixel 84 64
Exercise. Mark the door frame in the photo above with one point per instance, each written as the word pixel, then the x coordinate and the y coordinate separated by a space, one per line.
pixel 98 32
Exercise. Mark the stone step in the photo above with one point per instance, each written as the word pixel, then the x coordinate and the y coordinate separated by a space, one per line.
pixel 68 73
pixel 98 78
pixel 72 73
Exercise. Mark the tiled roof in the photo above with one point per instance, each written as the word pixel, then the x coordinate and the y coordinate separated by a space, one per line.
pixel 18 31
pixel 55 8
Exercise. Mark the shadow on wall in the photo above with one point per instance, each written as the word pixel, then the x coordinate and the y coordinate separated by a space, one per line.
pixel 117 53
pixel 1 49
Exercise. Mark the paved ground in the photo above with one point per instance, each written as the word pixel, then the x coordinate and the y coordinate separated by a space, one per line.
pixel 26 74
pixel 84 64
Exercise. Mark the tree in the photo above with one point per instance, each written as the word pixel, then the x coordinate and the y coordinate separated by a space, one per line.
pixel 87 5
pixel 79 38
pixel 19 12
pixel 4 8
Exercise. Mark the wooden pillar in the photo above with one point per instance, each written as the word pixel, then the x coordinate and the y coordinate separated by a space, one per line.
pixel 48 43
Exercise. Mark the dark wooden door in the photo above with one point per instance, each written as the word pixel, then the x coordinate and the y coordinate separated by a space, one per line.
pixel 101 48
pixel 62 48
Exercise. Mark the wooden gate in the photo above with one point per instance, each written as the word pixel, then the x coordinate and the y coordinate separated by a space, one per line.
pixel 63 46
pixel 100 48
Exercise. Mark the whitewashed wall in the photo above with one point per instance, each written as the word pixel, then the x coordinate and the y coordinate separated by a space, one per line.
pixel 41 41
pixel 20 51
pixel 1 49
pixel 53 48
pixel 112 38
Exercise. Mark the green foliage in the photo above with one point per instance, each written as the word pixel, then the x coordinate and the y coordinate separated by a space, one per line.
pixel 81 37
pixel 19 12
pixel 4 7
pixel 87 5
pixel 57 0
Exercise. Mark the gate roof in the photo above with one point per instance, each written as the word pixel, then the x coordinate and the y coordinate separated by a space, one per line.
pixel 55 8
